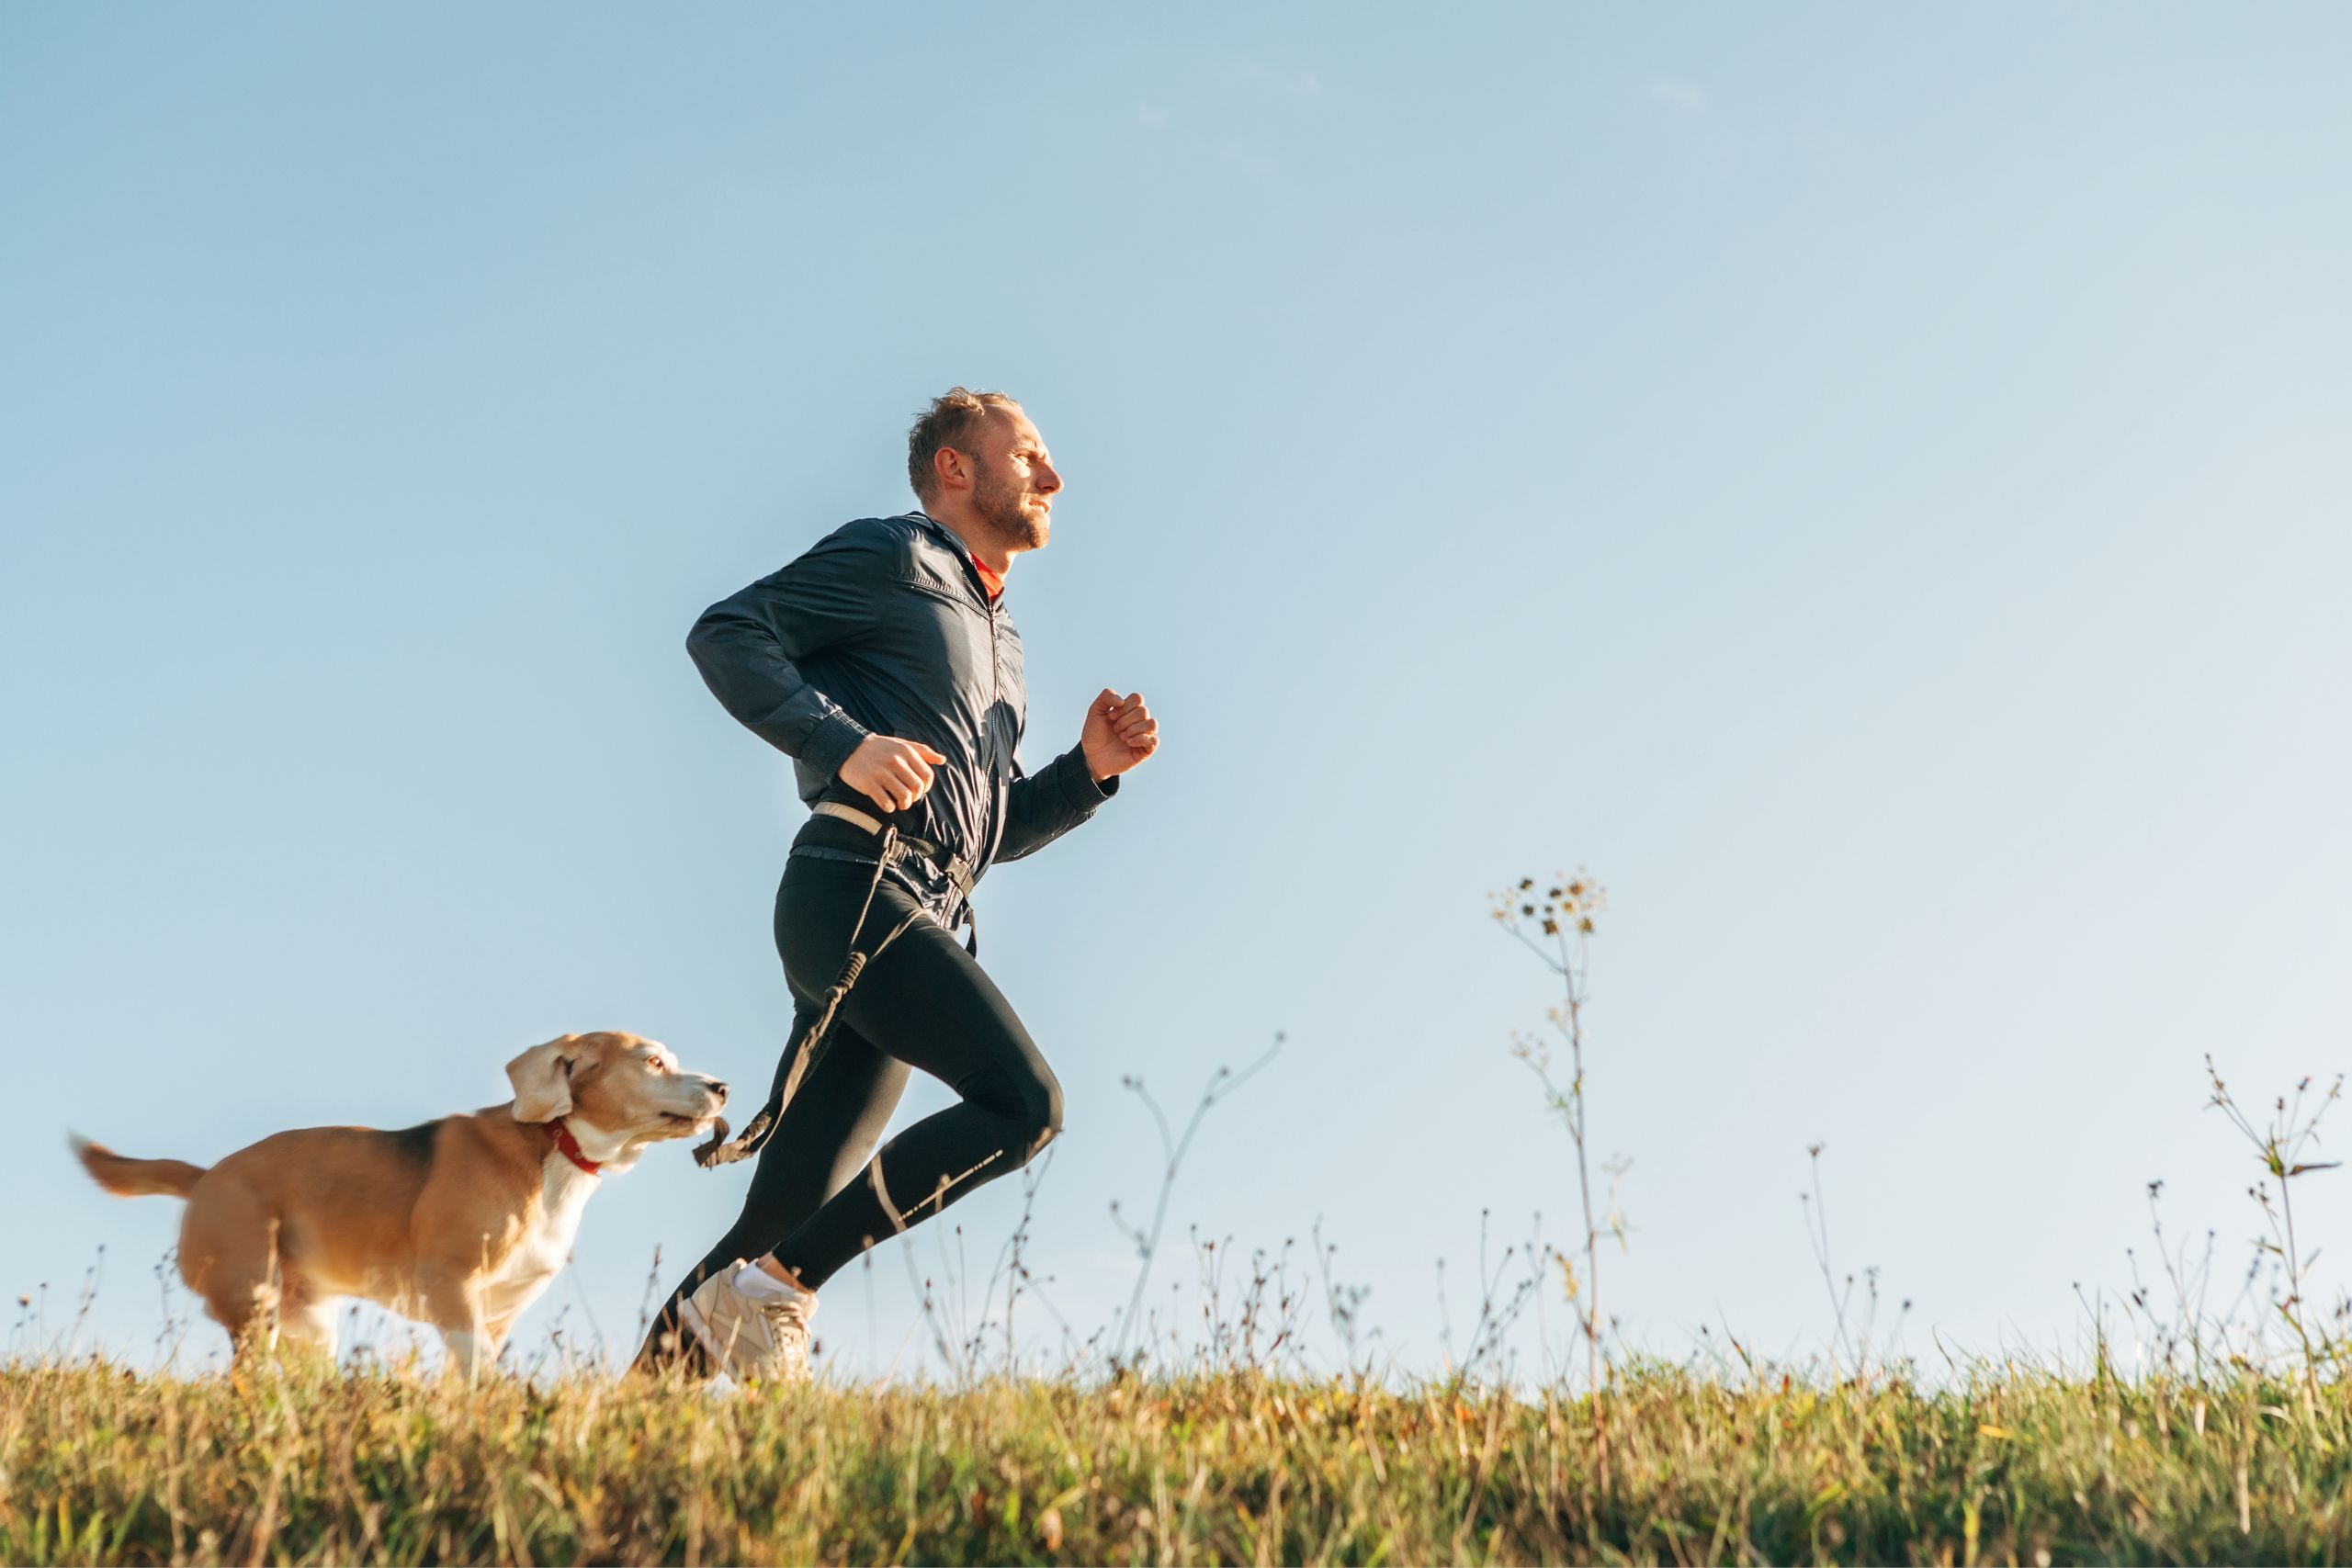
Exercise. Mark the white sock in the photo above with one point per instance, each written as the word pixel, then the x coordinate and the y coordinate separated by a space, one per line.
pixel 756 1283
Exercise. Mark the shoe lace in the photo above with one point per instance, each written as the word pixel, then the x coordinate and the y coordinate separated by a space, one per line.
pixel 790 1315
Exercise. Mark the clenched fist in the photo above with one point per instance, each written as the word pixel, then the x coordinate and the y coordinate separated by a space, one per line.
pixel 893 772
pixel 1119 733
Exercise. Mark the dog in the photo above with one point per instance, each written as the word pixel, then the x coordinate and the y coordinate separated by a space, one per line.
pixel 459 1224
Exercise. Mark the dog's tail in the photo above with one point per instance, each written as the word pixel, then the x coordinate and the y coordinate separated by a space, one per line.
pixel 135 1178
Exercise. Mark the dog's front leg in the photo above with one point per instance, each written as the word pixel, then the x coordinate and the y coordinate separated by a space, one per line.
pixel 470 1351
pixel 453 1304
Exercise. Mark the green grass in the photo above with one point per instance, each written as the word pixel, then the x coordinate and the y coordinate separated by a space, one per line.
pixel 99 1463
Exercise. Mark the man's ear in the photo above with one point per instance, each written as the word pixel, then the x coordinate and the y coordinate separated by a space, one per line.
pixel 950 469
pixel 542 1079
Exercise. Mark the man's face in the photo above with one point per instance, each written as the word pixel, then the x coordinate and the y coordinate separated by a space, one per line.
pixel 1014 480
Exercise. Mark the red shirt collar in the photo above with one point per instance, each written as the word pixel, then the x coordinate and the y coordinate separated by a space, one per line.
pixel 571 1146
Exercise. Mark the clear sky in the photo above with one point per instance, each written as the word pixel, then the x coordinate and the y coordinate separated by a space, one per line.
pixel 1870 483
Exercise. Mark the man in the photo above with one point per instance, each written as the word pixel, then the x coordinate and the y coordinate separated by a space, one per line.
pixel 884 663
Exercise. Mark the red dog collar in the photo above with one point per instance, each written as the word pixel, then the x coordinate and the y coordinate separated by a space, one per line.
pixel 571 1146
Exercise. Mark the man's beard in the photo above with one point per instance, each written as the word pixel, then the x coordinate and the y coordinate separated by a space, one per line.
pixel 996 501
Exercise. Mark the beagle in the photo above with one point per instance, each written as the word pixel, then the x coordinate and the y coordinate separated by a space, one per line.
pixel 460 1223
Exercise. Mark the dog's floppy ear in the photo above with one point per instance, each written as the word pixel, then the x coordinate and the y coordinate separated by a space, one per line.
pixel 542 1079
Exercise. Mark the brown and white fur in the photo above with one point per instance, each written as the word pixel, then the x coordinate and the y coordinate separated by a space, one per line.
pixel 460 1223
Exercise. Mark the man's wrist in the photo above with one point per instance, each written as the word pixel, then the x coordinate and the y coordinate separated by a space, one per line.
pixel 835 739
pixel 1095 788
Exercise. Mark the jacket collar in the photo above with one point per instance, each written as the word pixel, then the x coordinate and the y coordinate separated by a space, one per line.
pixel 954 541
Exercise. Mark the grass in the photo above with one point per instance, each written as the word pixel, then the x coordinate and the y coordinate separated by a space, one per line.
pixel 99 1463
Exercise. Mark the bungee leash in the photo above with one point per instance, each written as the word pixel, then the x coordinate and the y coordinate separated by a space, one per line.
pixel 718 1150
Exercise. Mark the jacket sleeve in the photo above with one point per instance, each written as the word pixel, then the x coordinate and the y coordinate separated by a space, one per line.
pixel 748 645
pixel 1040 809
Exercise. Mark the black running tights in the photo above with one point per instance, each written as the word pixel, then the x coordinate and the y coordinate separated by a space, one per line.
pixel 819 1196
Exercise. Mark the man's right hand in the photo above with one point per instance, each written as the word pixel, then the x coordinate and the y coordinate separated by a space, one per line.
pixel 893 772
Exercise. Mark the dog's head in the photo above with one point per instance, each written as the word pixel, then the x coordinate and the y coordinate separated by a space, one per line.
pixel 630 1088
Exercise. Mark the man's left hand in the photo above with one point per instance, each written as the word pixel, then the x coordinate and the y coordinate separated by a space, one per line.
pixel 1119 733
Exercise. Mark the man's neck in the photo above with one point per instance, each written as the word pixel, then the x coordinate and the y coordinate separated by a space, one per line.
pixel 986 546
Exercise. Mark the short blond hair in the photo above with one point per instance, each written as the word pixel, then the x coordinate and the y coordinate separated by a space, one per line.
pixel 947 422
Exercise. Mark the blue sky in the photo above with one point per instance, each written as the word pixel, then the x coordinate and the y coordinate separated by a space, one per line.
pixel 1868 484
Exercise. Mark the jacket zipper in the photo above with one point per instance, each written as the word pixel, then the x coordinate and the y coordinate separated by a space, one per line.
pixel 995 691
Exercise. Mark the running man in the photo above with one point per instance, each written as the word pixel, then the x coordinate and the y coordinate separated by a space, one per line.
pixel 884 663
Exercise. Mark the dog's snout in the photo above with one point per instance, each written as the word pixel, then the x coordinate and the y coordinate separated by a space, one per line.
pixel 716 1088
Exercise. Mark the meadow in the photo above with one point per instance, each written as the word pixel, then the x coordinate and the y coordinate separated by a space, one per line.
pixel 100 1463
pixel 2230 1442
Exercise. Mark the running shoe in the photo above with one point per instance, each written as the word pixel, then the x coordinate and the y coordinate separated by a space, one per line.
pixel 752 1323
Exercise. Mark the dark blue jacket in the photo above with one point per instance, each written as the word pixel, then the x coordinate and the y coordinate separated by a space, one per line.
pixel 883 628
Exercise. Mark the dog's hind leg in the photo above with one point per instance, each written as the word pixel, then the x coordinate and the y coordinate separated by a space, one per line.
pixel 228 1256
pixel 306 1322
